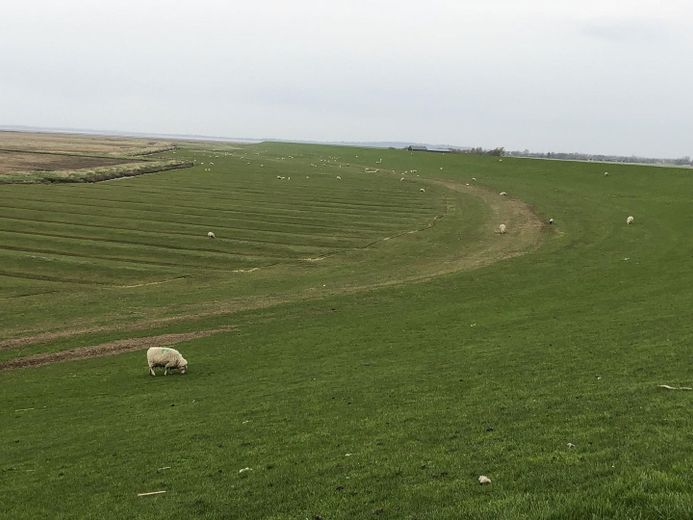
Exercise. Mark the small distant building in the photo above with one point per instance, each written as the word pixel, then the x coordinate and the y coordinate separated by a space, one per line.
pixel 422 148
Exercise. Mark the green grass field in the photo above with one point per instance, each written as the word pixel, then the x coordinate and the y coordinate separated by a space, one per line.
pixel 381 348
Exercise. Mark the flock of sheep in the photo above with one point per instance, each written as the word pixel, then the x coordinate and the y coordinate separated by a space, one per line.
pixel 171 359
pixel 502 228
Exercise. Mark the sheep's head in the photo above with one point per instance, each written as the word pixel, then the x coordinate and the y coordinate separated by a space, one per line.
pixel 183 365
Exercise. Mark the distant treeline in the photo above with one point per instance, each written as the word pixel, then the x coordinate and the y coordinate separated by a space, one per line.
pixel 682 161
pixel 495 152
pixel 574 156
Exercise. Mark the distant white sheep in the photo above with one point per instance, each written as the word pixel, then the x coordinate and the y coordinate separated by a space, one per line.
pixel 550 221
pixel 630 220
pixel 501 229
pixel 339 177
pixel 210 234
pixel 166 357
pixel 503 193
pixel 401 179
pixel 474 178
pixel 422 190
pixel 606 174
pixel 484 480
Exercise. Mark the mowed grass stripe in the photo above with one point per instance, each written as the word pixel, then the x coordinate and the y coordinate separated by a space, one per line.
pixel 385 222
pixel 404 197
pixel 74 245
pixel 194 231
pixel 75 270
pixel 178 262
pixel 292 243
pixel 239 204
pixel 15 287
pixel 394 194
pixel 193 228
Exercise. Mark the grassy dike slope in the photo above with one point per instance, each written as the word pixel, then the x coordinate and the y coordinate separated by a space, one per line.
pixel 389 403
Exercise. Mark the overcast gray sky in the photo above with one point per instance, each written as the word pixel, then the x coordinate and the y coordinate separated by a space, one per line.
pixel 601 76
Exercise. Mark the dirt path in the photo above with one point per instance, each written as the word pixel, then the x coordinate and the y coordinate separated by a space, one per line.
pixel 110 348
pixel 524 228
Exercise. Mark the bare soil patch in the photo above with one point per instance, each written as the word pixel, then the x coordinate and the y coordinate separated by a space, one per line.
pixel 19 161
pixel 524 227
pixel 71 143
pixel 110 348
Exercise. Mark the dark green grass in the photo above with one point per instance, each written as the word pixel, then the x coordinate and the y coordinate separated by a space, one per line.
pixel 422 401
pixel 426 386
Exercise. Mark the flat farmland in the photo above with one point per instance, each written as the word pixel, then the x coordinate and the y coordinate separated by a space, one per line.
pixel 362 342
pixel 55 158
pixel 76 143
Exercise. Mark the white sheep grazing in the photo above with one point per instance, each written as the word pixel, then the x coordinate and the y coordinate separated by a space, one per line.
pixel 501 229
pixel 606 174
pixel 422 190
pixel 550 221
pixel 503 193
pixel 210 234
pixel 473 178
pixel 401 179
pixel 166 357
pixel 629 220
pixel 484 480
pixel 339 177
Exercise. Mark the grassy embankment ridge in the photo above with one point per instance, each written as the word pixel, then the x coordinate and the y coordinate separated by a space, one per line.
pixel 357 377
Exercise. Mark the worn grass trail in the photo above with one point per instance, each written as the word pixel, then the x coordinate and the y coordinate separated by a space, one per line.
pixel 135 248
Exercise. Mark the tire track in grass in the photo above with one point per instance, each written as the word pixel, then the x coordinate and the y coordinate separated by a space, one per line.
pixel 115 259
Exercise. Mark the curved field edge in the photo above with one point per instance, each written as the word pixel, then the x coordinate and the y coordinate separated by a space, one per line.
pixel 524 236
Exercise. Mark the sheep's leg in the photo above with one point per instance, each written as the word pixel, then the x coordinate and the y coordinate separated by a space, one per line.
pixel 165 371
pixel 151 371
